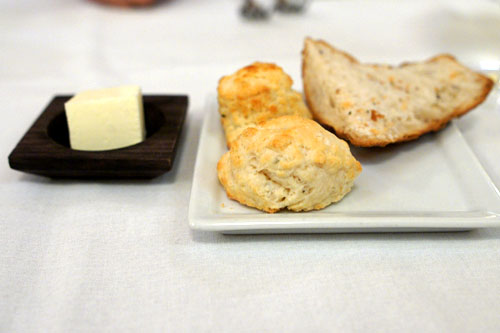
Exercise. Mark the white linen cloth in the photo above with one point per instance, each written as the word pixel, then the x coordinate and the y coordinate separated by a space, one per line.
pixel 119 256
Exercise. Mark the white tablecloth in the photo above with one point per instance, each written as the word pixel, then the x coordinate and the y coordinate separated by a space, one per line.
pixel 119 255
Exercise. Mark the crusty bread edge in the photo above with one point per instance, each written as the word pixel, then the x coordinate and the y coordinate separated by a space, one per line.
pixel 434 126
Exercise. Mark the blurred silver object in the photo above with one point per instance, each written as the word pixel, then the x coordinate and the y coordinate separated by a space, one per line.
pixel 256 9
pixel 262 9
pixel 290 6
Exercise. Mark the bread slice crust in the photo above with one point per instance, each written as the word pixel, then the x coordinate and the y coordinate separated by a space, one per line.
pixel 324 114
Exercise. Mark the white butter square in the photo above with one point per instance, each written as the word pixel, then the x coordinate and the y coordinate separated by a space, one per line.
pixel 106 119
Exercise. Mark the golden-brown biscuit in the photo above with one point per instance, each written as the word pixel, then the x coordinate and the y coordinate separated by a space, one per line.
pixel 288 162
pixel 256 93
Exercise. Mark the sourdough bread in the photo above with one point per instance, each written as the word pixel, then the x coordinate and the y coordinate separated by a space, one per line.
pixel 375 105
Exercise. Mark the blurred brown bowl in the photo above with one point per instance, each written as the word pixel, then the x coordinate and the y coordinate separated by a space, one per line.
pixel 127 3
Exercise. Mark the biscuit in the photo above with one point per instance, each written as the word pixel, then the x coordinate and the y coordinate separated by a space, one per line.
pixel 375 105
pixel 288 163
pixel 256 93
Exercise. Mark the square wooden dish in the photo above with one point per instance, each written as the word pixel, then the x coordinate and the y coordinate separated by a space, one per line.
pixel 45 150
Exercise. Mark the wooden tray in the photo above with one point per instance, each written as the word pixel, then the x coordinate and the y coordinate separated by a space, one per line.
pixel 45 150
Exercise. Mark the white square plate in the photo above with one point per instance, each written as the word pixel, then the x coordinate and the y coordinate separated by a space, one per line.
pixel 432 184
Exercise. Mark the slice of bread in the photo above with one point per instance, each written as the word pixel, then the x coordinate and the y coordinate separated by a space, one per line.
pixel 375 105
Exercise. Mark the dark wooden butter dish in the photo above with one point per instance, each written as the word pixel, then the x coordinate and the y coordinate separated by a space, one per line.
pixel 45 150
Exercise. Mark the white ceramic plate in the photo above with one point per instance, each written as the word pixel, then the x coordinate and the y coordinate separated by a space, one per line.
pixel 432 184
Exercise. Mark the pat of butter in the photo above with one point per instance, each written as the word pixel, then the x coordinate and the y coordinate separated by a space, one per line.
pixel 106 119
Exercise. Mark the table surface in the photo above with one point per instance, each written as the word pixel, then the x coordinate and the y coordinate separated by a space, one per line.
pixel 119 255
